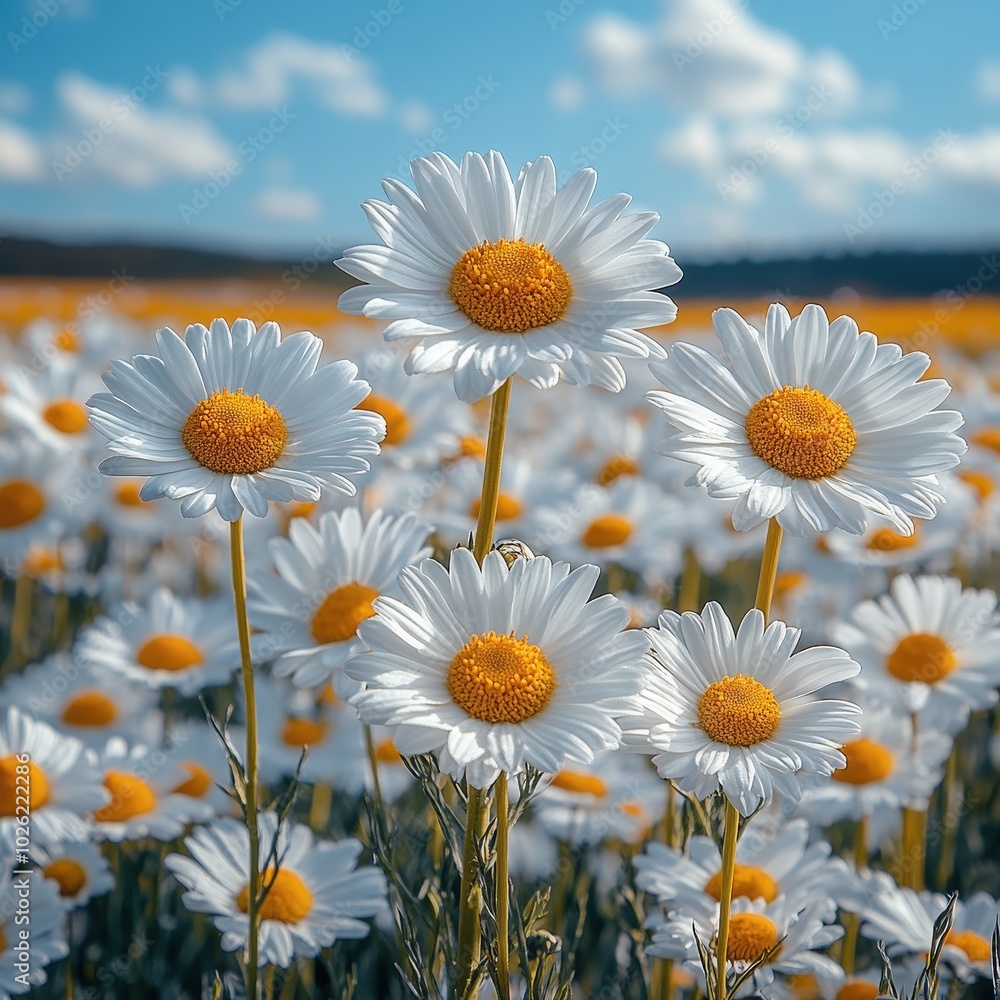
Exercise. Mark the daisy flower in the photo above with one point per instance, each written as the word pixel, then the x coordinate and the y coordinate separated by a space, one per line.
pixel 65 785
pixel 79 870
pixel 229 420
pixel 187 645
pixel 25 949
pixel 317 895
pixel 737 712
pixel 327 577
pixel 810 422
pixel 489 276
pixel 203 764
pixel 928 642
pixel 493 668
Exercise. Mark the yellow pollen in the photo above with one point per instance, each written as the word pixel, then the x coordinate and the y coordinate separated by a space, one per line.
pixel 976 948
pixel 66 416
pixel 13 790
pixel 979 481
pixel 633 809
pixel 397 424
pixel 607 531
pixel 510 286
pixel 804 986
pixel 472 447
pixel 887 540
pixel 299 508
pixel 89 708
pixel 288 900
pixel 233 434
pixel 328 696
pixel 198 782
pixel 130 797
pixel 748 881
pixel 988 437
pixel 127 495
pixel 739 711
pixel 508 507
pixel 616 467
pixel 342 611
pixel 750 936
pixel 67 341
pixel 581 783
pixel 801 433
pixel 39 559
pixel 498 678
pixel 386 753
pixel 867 761
pixel 859 989
pixel 68 874
pixel 168 652
pixel 20 502
pixel 787 583
pixel 921 656
pixel 301 732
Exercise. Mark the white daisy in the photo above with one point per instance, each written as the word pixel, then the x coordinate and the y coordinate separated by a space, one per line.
pixel 737 712
pixel 230 420
pixel 491 277
pixel 494 668
pixel 327 578
pixel 202 761
pixel 79 870
pixel 27 947
pixel 182 644
pixel 317 893
pixel 928 641
pixel 811 422
pixel 65 784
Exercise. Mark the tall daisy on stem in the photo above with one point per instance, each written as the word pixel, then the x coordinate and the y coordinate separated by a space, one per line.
pixel 490 276
pixel 230 420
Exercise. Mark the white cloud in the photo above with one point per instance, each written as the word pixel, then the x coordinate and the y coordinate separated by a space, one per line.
pixel 20 156
pixel 270 70
pixel 988 80
pixel 130 142
pixel 286 205
pixel 567 93
pixel 15 98
pixel 416 117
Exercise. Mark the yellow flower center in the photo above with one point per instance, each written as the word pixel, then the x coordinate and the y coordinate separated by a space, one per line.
pixel 342 611
pixel 233 434
pixel 508 507
pixel 301 732
pixel 89 708
pixel 979 481
pixel 616 467
pixel 498 678
pixel 67 341
pixel 976 948
pixel 739 711
pixel 288 900
pixel 582 784
pixel 859 989
pixel 471 447
pixel 607 531
pixel 801 433
pixel 66 416
pixel 168 652
pixel 987 437
pixel 867 761
pixel 887 540
pixel 127 495
pixel 20 502
pixel 386 753
pixel 397 424
pixel 510 286
pixel 787 583
pixel 68 874
pixel 39 560
pixel 198 782
pixel 130 797
pixel 13 791
pixel 921 656
pixel 804 986
pixel 750 936
pixel 748 881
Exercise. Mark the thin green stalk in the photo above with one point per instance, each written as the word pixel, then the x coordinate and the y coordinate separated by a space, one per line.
pixel 852 922
pixel 250 697
pixel 726 900
pixel 502 886
pixel 689 589
pixel 768 568
pixel 20 623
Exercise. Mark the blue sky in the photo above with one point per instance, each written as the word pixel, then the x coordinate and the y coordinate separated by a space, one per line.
pixel 752 127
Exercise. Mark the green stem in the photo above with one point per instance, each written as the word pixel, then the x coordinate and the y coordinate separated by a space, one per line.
pixel 689 589
pixel 20 623
pixel 948 821
pixel 491 473
pixel 373 763
pixel 852 922
pixel 250 697
pixel 726 900
pixel 502 886
pixel 768 568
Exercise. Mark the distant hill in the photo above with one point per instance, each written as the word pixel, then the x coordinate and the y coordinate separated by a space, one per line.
pixel 882 274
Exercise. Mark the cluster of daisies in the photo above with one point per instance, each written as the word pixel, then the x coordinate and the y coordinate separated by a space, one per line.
pixel 355 490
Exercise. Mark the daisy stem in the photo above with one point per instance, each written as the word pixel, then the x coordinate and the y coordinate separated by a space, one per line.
pixel 502 886
pixel 852 922
pixel 243 627
pixel 951 798
pixel 20 623
pixel 768 568
pixel 491 473
pixel 726 900
pixel 689 589
pixel 373 763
